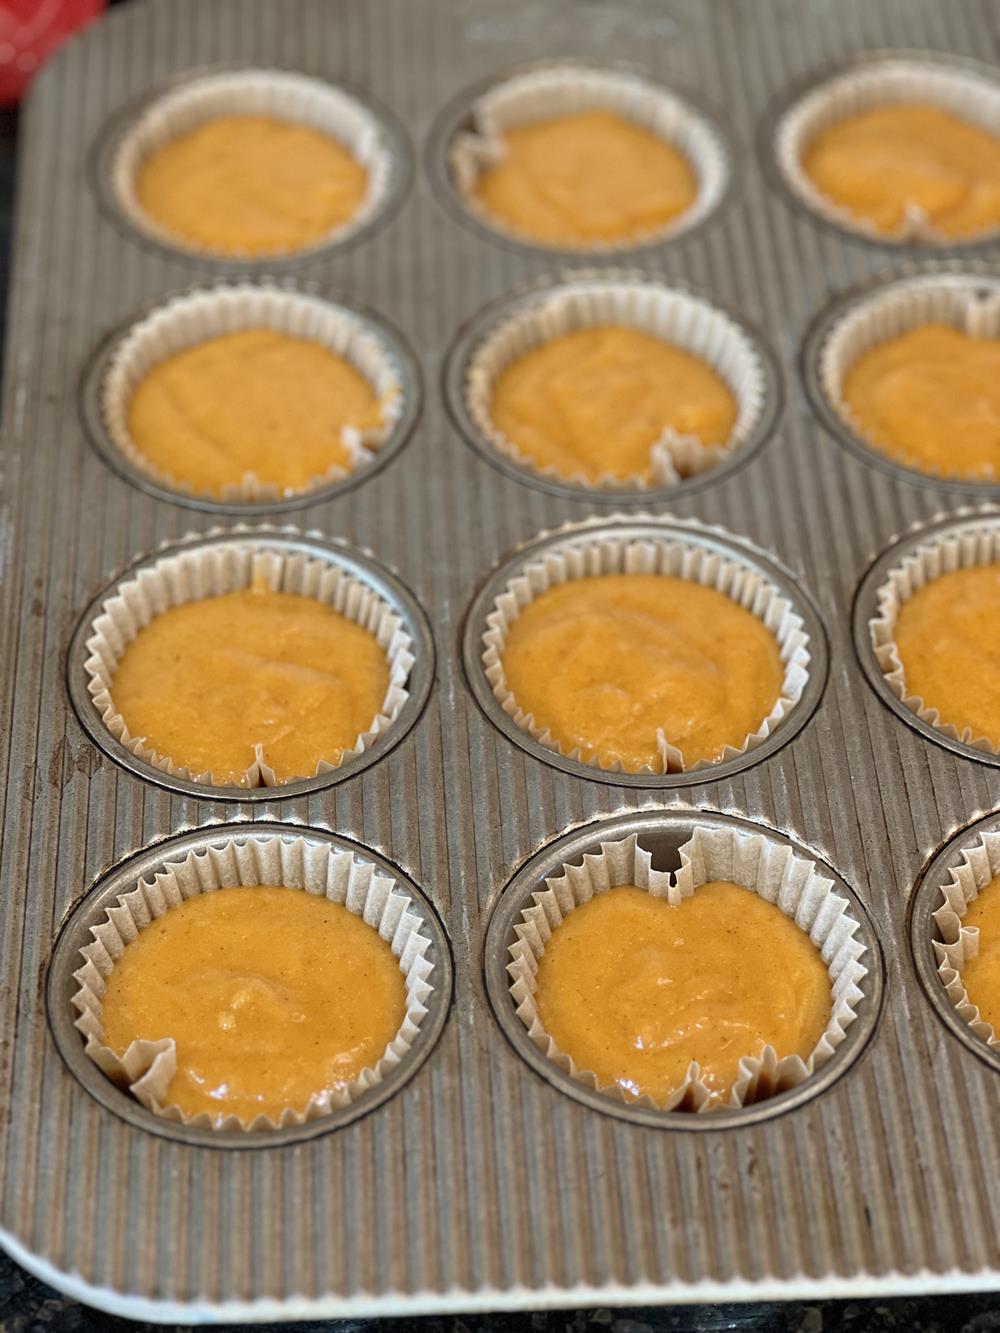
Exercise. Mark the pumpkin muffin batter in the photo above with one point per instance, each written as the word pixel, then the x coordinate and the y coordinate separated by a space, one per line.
pixel 634 989
pixel 271 995
pixel 251 185
pixel 251 404
pixel 931 400
pixel 584 178
pixel 605 662
pixel 883 163
pixel 206 682
pixel 981 975
pixel 593 403
pixel 948 638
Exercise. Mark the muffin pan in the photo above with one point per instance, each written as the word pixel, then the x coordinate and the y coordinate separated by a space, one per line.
pixel 475 1182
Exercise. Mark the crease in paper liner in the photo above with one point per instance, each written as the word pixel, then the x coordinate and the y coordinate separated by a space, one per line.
pixel 972 545
pixel 668 556
pixel 959 943
pixel 675 317
pixel 146 1068
pixel 212 571
pixel 186 321
pixel 965 304
pixel 280 94
pixel 566 89
pixel 885 83
pixel 769 869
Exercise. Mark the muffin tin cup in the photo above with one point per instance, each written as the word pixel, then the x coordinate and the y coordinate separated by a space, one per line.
pixel 148 885
pixel 368 134
pixel 963 297
pixel 701 846
pixel 198 316
pixel 225 562
pixel 641 547
pixel 473 141
pixel 889 78
pixel 906 568
pixel 678 317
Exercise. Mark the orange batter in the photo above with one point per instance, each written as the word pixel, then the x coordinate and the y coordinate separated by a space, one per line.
pixel 593 402
pixel 981 975
pixel 251 185
pixel 205 682
pixel 635 989
pixel 881 163
pixel 603 662
pixel 588 177
pixel 252 403
pixel 271 995
pixel 931 399
pixel 948 637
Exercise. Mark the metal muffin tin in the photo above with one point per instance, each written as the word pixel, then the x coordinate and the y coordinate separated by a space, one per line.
pixel 477 1184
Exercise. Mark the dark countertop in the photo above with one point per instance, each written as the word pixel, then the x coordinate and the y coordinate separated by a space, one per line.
pixel 28 1306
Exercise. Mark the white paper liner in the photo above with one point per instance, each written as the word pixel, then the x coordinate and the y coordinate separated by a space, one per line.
pixel 883 83
pixel 565 89
pixel 185 321
pixel 671 556
pixel 211 571
pixel 675 317
pixel 964 548
pixel 295 98
pixel 966 305
pixel 767 868
pixel 146 1068
pixel 959 943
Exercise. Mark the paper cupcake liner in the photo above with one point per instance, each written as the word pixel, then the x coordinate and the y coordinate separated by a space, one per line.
pixel 214 312
pixel 975 544
pixel 670 556
pixel 675 317
pixel 888 82
pixel 146 1068
pixel 211 571
pixel 960 943
pixel 890 313
pixel 253 92
pixel 565 89
pixel 767 868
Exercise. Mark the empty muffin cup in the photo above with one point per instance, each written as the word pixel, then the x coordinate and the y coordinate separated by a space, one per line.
pixel 225 566
pixel 195 319
pixel 881 82
pixel 280 95
pixel 297 864
pixel 683 321
pixel 551 91
pixel 673 553
pixel 714 852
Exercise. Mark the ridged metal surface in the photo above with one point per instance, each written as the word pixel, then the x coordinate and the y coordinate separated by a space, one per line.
pixel 479 1175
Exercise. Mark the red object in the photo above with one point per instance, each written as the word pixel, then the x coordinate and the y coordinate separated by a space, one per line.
pixel 30 30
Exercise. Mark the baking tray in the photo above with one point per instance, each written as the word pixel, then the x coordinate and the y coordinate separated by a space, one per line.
pixel 479 1184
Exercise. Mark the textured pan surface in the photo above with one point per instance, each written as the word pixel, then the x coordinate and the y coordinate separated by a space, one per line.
pixel 479 1183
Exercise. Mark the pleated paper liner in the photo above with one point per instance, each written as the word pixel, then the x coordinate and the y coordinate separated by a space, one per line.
pixel 199 316
pixel 887 82
pixel 961 303
pixel 674 316
pixel 769 869
pixel 666 556
pixel 211 571
pixel 275 93
pixel 959 943
pixel 146 1068
pixel 563 89
pixel 965 548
